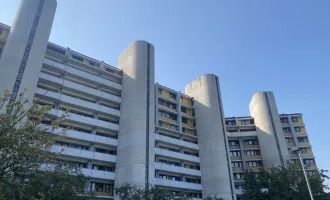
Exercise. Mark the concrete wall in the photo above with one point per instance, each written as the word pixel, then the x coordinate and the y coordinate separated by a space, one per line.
pixel 212 139
pixel 21 34
pixel 270 134
pixel 135 108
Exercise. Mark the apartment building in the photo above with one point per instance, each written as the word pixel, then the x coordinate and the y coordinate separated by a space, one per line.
pixel 124 127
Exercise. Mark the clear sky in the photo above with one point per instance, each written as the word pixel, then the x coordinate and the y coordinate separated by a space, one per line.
pixel 255 45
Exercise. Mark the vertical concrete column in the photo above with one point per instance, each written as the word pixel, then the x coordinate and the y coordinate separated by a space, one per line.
pixel 270 134
pixel 156 104
pixel 135 158
pixel 242 152
pixel 212 138
pixel 178 109
pixel 23 55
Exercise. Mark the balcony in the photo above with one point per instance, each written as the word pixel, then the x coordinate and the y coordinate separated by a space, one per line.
pixel 304 144
pixel 177 184
pixel 255 157
pixel 171 110
pixel 234 147
pixel 68 151
pixel 78 87
pixel 237 169
pixel 82 74
pixel 77 102
pixel 251 146
pixel 176 142
pixel 302 133
pixel 88 137
pixel 255 169
pixel 85 120
pixel 176 169
pixel 288 134
pixel 99 174
pixel 236 158
pixel 87 172
pixel 177 155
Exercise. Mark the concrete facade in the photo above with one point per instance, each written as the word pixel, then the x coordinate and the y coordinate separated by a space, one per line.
pixel 270 134
pixel 25 48
pixel 212 138
pixel 124 128
pixel 136 122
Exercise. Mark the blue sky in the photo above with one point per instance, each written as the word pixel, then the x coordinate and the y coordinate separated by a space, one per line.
pixel 277 45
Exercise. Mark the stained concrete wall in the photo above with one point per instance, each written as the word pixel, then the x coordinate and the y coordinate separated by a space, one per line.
pixel 212 138
pixel 16 45
pixel 270 134
pixel 137 117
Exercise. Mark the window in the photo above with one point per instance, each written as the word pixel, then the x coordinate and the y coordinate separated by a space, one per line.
pixel 309 162
pixel 183 130
pixel 286 130
pixel 251 142
pixel 303 150
pixel 231 123
pixel 233 143
pixel 107 188
pixel 235 153
pixel 252 152
pixel 251 121
pixel 297 129
pixel 184 120
pixel 184 110
pixel 238 187
pixel 284 120
pixel 245 122
pixel 160 123
pixel 1 30
pixel 290 151
pixel 91 63
pixel 77 58
pixel 254 163
pixel 167 104
pixel 294 119
pixel 288 140
pixel 172 95
pixel 97 187
pixel 167 115
pixel 159 91
pixel 173 127
pixel 302 139
pixel 238 176
pixel 236 164
pixel 109 70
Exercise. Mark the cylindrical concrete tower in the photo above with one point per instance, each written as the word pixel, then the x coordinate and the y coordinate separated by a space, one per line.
pixel 135 151
pixel 212 138
pixel 270 134
pixel 22 57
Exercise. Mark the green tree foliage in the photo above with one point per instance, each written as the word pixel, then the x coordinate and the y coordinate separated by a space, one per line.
pixel 130 192
pixel 283 183
pixel 24 147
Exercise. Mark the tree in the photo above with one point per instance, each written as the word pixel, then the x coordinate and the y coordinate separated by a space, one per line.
pixel 285 183
pixel 24 147
pixel 131 192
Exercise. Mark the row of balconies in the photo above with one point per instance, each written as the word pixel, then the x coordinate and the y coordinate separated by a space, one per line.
pixel 85 120
pixel 59 82
pixel 82 74
pixel 57 97
pixel 93 173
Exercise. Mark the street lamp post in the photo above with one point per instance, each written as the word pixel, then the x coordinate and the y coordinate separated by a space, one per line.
pixel 296 149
